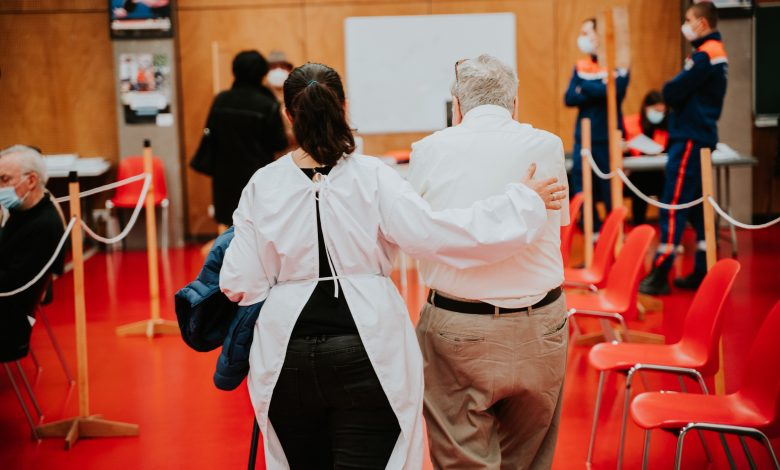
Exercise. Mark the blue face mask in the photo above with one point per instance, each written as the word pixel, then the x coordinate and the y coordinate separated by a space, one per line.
pixel 9 199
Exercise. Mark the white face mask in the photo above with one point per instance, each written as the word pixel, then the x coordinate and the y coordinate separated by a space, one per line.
pixel 655 116
pixel 585 45
pixel 276 77
pixel 688 32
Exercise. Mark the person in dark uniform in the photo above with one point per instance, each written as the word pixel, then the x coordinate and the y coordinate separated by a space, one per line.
pixel 31 230
pixel 243 132
pixel 587 92
pixel 695 97
pixel 652 122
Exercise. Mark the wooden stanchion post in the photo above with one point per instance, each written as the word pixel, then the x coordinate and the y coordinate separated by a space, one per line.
pixel 615 137
pixel 84 425
pixel 155 325
pixel 587 191
pixel 711 239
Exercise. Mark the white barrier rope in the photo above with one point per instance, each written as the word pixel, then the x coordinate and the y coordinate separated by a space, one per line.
pixel 48 264
pixel 652 201
pixel 133 217
pixel 644 197
pixel 104 188
pixel 737 223
pixel 595 167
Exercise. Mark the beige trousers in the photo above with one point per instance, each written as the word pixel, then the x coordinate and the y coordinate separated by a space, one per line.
pixel 493 386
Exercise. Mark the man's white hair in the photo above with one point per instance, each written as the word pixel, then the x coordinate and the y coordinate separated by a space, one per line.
pixel 30 161
pixel 484 80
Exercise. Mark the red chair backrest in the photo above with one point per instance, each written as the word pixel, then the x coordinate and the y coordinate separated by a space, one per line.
pixel 567 231
pixel 604 252
pixel 701 331
pixel 761 376
pixel 623 278
pixel 127 195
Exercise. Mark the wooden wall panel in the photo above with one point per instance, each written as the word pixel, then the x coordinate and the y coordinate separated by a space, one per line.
pixel 536 69
pixel 56 88
pixel 263 29
pixel 53 5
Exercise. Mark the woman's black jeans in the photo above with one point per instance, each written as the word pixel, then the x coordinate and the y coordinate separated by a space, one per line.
pixel 328 407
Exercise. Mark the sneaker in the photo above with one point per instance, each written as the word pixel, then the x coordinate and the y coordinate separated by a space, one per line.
pixel 656 283
pixel 689 282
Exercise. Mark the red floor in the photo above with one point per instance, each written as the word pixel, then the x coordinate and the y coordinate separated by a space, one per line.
pixel 185 422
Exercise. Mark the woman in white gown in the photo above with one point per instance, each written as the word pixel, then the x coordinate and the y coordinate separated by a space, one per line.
pixel 336 375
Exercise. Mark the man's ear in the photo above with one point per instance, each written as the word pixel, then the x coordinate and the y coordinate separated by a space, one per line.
pixel 457 116
pixel 516 111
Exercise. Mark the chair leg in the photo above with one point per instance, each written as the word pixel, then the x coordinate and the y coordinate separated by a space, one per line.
pixel 626 404
pixel 602 377
pixel 26 383
pixel 729 457
pixel 38 368
pixel 56 344
pixel 771 451
pixel 679 452
pixel 748 455
pixel 21 401
pixel 707 453
pixel 254 444
pixel 646 450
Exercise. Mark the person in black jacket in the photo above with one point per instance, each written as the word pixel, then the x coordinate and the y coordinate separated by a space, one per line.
pixel 243 132
pixel 32 229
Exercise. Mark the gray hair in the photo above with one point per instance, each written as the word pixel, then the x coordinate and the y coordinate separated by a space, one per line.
pixel 484 80
pixel 30 160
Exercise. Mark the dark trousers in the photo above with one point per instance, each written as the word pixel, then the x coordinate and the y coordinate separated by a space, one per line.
pixel 601 188
pixel 328 407
pixel 682 184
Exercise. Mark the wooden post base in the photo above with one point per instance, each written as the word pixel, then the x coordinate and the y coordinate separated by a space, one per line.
pixel 632 336
pixel 149 328
pixel 73 429
pixel 646 304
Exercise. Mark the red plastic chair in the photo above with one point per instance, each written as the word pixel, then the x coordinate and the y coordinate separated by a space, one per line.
pixel 567 231
pixel 126 197
pixel 694 355
pixel 617 300
pixel 603 255
pixel 754 410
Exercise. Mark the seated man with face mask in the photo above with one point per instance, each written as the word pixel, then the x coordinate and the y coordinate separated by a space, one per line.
pixel 32 228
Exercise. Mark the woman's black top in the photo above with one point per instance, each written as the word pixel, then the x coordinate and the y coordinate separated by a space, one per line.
pixel 324 314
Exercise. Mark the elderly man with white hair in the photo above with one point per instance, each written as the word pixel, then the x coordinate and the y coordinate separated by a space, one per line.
pixel 493 338
pixel 31 229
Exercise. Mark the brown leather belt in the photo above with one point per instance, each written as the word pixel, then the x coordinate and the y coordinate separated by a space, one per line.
pixel 483 308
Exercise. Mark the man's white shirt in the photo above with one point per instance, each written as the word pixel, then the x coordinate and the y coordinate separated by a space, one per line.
pixel 457 166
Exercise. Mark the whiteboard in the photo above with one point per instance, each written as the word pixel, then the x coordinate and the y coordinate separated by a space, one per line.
pixel 399 68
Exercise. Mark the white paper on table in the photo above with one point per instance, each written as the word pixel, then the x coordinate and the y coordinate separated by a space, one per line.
pixel 645 144
pixel 722 150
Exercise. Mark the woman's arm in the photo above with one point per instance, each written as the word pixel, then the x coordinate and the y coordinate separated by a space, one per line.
pixel 242 277
pixel 489 231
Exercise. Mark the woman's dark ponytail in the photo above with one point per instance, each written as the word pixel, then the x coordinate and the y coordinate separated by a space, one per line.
pixel 314 97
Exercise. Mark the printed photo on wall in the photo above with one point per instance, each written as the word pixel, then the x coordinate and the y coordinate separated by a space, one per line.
pixel 144 87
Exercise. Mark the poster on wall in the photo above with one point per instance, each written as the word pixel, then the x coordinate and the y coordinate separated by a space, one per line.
pixel 138 19
pixel 145 88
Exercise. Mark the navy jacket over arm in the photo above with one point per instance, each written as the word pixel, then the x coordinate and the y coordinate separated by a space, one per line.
pixel 208 319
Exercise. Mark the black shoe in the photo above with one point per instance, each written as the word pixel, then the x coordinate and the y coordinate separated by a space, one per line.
pixel 656 283
pixel 689 282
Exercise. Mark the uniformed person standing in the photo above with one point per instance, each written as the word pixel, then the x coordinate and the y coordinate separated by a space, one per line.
pixel 588 93
pixel 695 97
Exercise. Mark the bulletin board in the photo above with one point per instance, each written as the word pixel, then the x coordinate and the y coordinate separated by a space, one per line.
pixel 399 69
